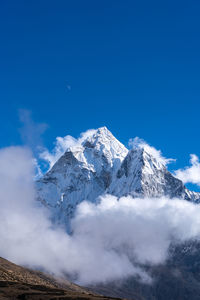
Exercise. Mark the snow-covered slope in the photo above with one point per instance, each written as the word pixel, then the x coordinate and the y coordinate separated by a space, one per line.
pixel 84 172
pixel 101 164
pixel 141 174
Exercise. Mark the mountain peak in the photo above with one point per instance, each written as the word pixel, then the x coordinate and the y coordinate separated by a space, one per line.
pixel 105 143
pixel 149 153
pixel 100 135
pixel 103 129
pixel 98 163
pixel 83 172
pixel 143 173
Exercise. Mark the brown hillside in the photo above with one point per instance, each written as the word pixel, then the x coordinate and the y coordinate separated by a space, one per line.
pixel 20 283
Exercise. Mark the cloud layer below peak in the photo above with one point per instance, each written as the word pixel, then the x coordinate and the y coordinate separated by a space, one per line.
pixel 111 240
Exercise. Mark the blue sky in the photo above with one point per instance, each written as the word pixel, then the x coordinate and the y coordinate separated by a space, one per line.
pixel 133 66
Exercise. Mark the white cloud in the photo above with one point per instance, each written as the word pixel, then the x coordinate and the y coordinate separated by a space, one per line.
pixel 140 143
pixel 141 228
pixel 28 237
pixel 109 239
pixel 62 144
pixel 190 174
pixel 37 170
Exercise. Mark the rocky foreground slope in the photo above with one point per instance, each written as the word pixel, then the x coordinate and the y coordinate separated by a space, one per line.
pixel 20 283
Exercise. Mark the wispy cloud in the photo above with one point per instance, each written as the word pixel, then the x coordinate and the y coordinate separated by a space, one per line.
pixel 140 143
pixel 31 132
pixel 62 144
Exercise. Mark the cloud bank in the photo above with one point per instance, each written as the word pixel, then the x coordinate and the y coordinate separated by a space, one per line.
pixel 111 240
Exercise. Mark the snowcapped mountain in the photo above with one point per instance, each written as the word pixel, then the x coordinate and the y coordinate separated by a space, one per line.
pixel 101 164
pixel 141 174
pixel 84 172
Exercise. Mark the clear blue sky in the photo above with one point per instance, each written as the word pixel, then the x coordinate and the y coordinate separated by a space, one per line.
pixel 133 66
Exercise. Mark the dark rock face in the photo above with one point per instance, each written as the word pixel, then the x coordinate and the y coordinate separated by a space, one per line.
pixel 178 279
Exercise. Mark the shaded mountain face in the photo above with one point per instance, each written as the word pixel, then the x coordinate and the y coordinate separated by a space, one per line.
pixel 177 279
pixel 99 165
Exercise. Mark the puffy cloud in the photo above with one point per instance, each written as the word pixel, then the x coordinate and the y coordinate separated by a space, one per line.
pixel 140 228
pixel 29 238
pixel 62 144
pixel 140 143
pixel 190 174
